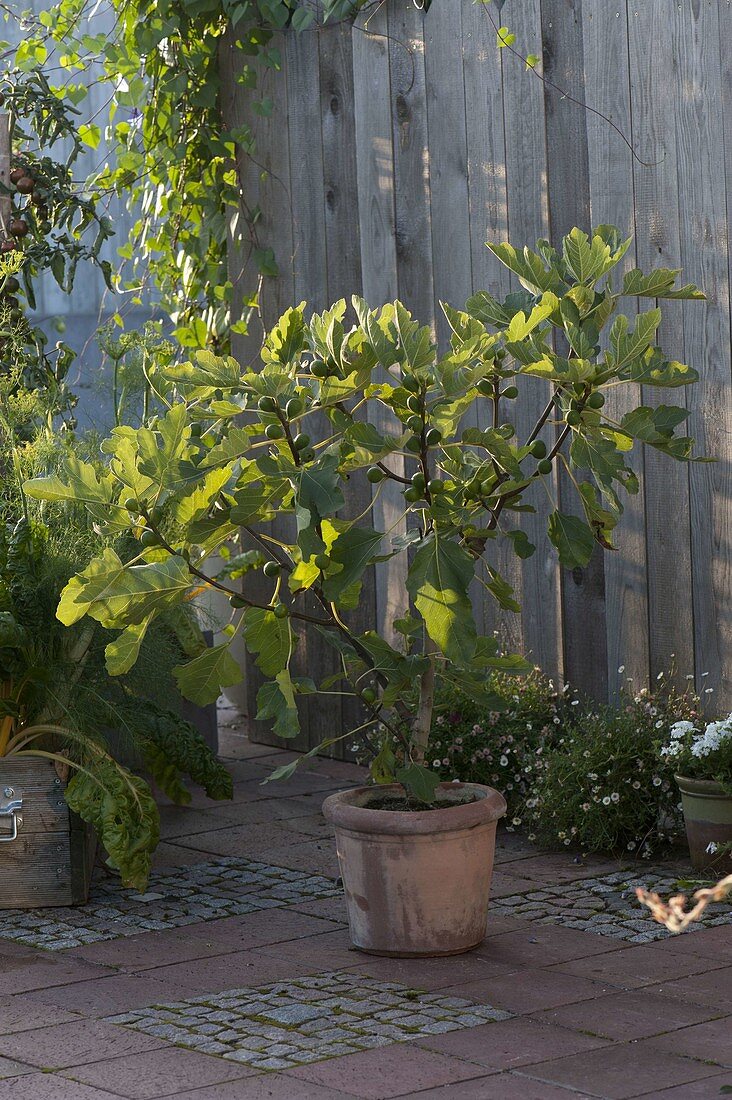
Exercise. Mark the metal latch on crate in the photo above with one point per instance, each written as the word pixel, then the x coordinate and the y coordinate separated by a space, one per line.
pixel 11 805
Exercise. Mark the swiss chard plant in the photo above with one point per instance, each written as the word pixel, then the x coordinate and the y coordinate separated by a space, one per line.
pixel 57 701
pixel 239 448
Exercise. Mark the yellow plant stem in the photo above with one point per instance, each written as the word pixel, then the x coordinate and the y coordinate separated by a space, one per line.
pixel 6 724
pixel 6 728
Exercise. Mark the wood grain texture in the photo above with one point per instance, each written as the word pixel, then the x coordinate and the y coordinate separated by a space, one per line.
pixel 568 185
pixel 51 860
pixel 705 258
pixel 657 243
pixel 375 172
pixel 610 164
pixel 413 219
pixel 338 128
pixel 411 141
pixel 448 159
pixel 538 633
pixel 319 716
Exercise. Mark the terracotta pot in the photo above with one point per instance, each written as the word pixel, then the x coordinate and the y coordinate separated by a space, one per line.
pixel 708 819
pixel 416 883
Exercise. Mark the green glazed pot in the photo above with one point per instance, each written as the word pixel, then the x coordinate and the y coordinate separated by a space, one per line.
pixel 708 819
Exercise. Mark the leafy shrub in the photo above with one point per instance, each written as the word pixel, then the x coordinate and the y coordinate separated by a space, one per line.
pixel 600 785
pixel 500 749
pixel 574 775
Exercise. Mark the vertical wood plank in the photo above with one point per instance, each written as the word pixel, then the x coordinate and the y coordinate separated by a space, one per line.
pixel 705 259
pixel 538 632
pixel 265 182
pixel 337 106
pixel 321 714
pixel 309 255
pixel 374 157
pixel 583 590
pixel 448 159
pixel 412 230
pixel 487 210
pixel 723 701
pixel 610 161
pixel 486 149
pixel 657 228
pixel 375 171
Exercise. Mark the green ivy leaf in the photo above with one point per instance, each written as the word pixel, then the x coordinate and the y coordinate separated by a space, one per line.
pixel 91 135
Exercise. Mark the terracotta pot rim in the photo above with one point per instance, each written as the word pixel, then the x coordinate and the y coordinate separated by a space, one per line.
pixel 344 811
pixel 706 788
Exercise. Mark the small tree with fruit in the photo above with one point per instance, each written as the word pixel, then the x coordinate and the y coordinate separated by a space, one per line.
pixel 237 449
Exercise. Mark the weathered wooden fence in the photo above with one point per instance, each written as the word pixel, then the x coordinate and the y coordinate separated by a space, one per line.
pixel 396 148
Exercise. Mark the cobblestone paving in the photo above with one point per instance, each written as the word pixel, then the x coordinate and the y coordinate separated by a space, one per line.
pixel 606 905
pixel 226 887
pixel 287 1024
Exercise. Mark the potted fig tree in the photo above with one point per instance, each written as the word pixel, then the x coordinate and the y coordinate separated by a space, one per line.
pixel 239 448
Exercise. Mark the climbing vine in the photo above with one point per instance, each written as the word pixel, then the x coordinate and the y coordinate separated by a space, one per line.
pixel 151 71
pixel 157 63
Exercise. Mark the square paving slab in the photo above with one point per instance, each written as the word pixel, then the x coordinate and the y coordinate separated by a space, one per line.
pixel 605 905
pixel 288 1024
pixel 225 887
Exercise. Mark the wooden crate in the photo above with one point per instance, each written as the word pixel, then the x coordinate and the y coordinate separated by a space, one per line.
pixel 50 861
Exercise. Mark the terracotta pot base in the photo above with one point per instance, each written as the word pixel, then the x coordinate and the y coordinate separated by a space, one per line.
pixel 416 883
pixel 418 954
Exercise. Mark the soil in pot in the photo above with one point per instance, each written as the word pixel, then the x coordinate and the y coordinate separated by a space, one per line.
pixel 402 804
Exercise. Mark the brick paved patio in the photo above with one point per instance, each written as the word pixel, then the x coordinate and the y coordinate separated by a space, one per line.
pixel 232 978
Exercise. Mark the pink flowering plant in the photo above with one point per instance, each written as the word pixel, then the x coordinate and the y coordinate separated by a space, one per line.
pixel 599 784
pixel 701 751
